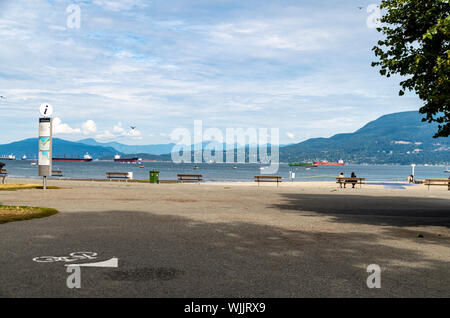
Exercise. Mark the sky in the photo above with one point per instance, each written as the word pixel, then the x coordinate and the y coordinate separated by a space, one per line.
pixel 301 66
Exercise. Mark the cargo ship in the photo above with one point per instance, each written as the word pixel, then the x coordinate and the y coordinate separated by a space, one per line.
pixel 9 157
pixel 126 160
pixel 86 158
pixel 302 164
pixel 28 159
pixel 326 163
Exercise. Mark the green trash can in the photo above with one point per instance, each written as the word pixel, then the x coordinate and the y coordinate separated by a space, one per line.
pixel 154 176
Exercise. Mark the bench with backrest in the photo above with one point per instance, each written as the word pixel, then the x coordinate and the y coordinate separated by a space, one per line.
pixel 189 178
pixel 353 181
pixel 118 176
pixel 3 175
pixel 57 173
pixel 276 179
pixel 437 182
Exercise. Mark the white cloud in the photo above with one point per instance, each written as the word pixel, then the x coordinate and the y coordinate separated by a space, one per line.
pixel 105 135
pixel 60 128
pixel 278 34
pixel 297 66
pixel 134 133
pixel 290 135
pixel 119 129
pixel 89 127
pixel 119 5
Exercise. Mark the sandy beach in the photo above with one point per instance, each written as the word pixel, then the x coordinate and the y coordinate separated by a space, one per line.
pixel 308 239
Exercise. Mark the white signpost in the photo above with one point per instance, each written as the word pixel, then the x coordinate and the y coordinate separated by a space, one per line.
pixel 45 143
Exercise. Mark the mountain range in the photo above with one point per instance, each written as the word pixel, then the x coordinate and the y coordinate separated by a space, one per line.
pixel 61 147
pixel 399 138
pixel 158 149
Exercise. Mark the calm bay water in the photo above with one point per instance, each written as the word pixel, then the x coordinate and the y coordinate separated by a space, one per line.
pixel 224 172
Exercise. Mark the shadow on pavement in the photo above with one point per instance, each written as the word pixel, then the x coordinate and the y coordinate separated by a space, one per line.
pixel 172 256
pixel 395 211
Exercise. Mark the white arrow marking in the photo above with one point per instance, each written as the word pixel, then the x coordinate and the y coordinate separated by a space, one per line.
pixel 113 262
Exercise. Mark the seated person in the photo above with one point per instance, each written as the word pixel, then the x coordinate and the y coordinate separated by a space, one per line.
pixel 353 181
pixel 340 181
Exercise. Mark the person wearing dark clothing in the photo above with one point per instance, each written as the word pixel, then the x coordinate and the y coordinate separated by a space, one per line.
pixel 353 181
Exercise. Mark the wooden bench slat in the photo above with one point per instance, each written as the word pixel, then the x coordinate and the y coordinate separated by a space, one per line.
pixel 118 175
pixel 437 182
pixel 190 178
pixel 57 173
pixel 189 175
pixel 276 179
pixel 354 180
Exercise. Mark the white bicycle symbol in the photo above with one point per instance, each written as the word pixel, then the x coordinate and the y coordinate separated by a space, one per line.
pixel 75 256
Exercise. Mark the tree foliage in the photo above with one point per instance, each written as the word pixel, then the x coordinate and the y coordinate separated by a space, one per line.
pixel 417 46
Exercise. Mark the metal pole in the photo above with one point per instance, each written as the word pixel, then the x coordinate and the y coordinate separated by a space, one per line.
pixel 45 182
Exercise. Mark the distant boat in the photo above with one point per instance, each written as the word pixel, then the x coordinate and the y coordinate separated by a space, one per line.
pixel 26 158
pixel 326 163
pixel 125 160
pixel 86 158
pixel 302 164
pixel 447 170
pixel 9 157
pixel 195 167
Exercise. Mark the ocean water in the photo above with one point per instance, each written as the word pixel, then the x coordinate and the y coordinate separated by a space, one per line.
pixel 225 172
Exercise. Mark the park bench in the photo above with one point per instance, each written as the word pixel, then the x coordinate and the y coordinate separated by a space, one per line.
pixel 3 175
pixel 343 181
pixel 57 173
pixel 189 178
pixel 276 179
pixel 437 182
pixel 118 176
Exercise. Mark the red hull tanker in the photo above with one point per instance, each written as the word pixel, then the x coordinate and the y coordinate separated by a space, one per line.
pixel 329 163
pixel 86 158
pixel 72 159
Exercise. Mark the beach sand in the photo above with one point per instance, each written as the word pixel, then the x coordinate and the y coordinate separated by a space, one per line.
pixel 308 239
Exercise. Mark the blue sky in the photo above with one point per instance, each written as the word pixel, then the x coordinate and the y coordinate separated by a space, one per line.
pixel 300 66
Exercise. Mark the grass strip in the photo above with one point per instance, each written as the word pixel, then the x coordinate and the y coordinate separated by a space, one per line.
pixel 20 213
pixel 14 187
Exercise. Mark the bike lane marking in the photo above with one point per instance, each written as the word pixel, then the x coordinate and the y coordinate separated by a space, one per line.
pixel 79 256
